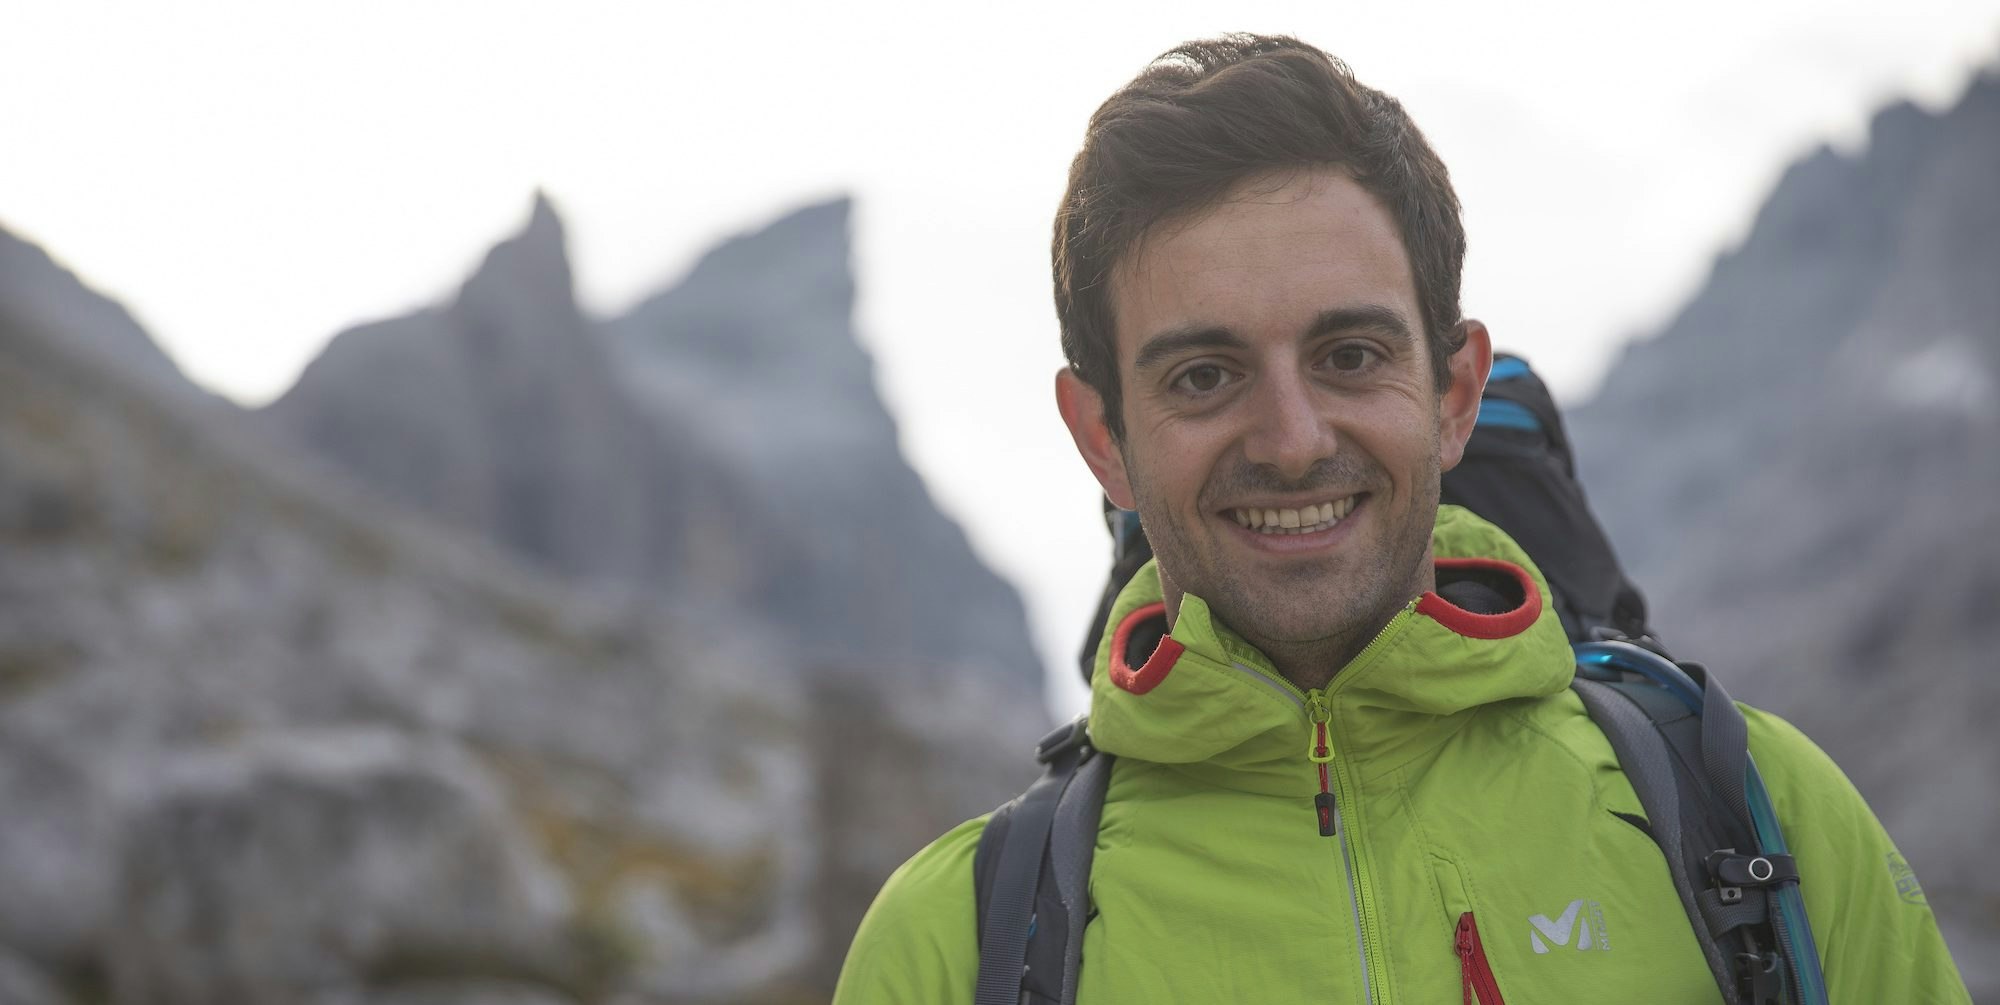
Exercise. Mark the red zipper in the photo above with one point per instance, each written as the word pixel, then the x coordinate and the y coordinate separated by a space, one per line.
pixel 1477 973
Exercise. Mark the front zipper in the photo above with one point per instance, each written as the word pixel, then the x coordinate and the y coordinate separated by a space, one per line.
pixel 1338 787
pixel 1319 713
pixel 1326 805
pixel 1476 974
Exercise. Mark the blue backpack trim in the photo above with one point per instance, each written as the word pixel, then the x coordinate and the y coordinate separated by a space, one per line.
pixel 1498 413
pixel 1508 368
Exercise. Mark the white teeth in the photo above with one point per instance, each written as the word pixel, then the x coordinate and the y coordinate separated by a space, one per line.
pixel 1304 520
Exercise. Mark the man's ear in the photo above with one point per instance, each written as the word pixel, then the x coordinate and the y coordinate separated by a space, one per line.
pixel 1458 409
pixel 1082 411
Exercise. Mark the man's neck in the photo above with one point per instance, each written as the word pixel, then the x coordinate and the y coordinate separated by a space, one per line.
pixel 1309 665
pixel 1312 665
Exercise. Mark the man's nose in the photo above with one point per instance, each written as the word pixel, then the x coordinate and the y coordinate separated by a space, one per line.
pixel 1288 430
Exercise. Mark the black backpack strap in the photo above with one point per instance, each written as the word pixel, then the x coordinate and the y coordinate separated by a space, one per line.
pixel 1031 876
pixel 1681 766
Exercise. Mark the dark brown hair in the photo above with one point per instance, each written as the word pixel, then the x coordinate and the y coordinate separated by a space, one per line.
pixel 1208 114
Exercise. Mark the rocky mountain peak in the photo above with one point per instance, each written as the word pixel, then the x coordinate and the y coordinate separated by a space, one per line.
pixel 811 241
pixel 497 411
pixel 529 270
pixel 723 441
pixel 772 307
pixel 756 348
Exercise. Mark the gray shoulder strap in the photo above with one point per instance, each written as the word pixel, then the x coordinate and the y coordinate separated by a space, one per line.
pixel 1649 766
pixel 1071 845
pixel 1003 938
pixel 1031 876
pixel 1725 745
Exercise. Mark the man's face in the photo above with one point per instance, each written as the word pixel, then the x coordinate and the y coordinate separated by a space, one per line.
pixel 1283 434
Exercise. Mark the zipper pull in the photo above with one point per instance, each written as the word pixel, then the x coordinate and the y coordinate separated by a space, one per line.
pixel 1319 750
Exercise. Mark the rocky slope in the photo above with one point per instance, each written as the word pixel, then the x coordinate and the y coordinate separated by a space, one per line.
pixel 269 733
pixel 39 293
pixel 1803 472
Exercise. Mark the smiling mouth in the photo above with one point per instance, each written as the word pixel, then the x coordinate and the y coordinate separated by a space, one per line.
pixel 1303 520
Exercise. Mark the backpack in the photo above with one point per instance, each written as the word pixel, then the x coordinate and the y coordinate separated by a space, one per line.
pixel 1680 740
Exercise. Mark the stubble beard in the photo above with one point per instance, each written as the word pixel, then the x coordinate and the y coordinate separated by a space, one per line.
pixel 1310 618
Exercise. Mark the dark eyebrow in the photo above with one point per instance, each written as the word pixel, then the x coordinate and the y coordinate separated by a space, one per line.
pixel 1368 317
pixel 1175 341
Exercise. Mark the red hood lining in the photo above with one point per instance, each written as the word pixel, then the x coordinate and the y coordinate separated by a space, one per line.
pixel 1506 624
pixel 1157 666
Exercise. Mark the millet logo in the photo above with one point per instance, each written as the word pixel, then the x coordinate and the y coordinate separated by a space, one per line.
pixel 1590 935
pixel 1905 880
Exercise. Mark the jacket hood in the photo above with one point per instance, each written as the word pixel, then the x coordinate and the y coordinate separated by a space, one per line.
pixel 1210 704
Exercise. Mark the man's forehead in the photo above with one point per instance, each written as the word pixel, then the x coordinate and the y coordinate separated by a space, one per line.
pixel 1276 249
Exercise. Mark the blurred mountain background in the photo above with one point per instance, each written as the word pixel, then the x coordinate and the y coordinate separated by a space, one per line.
pixel 512 656
pixel 1802 472
pixel 517 655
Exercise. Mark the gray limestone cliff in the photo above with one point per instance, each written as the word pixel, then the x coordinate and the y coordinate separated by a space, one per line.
pixel 755 352
pixel 498 412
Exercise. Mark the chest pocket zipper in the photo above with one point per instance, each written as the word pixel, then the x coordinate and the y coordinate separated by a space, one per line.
pixel 1477 974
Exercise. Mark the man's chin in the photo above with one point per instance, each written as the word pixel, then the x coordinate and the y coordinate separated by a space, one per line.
pixel 1264 624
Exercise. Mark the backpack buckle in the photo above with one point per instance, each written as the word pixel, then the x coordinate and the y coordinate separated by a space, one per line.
pixel 1762 979
pixel 1072 735
pixel 1732 870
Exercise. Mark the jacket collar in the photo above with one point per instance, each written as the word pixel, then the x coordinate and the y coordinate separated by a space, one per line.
pixel 1211 705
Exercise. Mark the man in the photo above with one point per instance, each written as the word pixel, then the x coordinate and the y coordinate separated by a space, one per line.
pixel 1349 765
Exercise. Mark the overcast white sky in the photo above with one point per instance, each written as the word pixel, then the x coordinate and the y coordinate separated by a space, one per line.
pixel 249 178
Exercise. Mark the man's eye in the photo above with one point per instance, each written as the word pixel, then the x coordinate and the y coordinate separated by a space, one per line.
pixel 1349 358
pixel 1202 379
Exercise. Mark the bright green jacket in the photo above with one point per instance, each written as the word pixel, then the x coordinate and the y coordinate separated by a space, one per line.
pixel 1469 781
